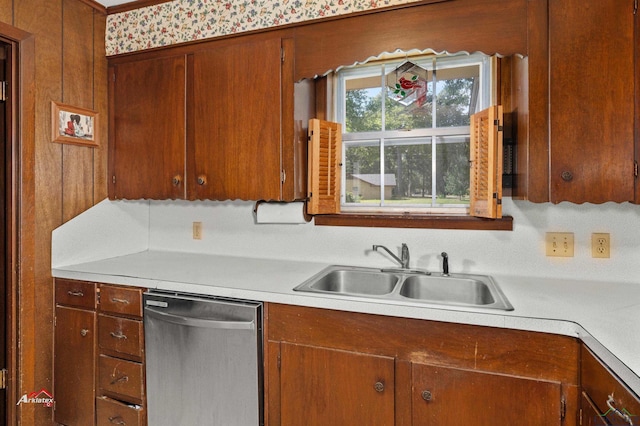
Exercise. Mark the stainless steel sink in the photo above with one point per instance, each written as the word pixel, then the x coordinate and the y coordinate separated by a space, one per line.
pixel 349 281
pixel 407 286
pixel 447 289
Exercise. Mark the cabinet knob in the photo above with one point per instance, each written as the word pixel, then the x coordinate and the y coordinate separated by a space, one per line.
pixel 379 387
pixel 426 395
pixel 84 332
pixel 202 180
pixel 567 176
pixel 177 179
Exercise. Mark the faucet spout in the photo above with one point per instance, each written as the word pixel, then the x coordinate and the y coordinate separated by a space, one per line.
pixel 404 253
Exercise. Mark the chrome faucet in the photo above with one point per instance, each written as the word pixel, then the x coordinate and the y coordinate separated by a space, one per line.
pixel 403 260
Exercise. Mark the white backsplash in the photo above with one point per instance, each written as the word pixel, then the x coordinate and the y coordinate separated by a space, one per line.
pixel 229 228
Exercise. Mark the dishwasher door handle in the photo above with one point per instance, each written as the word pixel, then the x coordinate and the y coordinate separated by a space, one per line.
pixel 200 322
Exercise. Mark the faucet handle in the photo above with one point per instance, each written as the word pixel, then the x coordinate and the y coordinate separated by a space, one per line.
pixel 445 264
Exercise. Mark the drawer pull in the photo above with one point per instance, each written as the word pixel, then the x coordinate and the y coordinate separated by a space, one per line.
pixel 75 293
pixel 117 420
pixel 121 379
pixel 116 300
pixel 118 335
pixel 623 414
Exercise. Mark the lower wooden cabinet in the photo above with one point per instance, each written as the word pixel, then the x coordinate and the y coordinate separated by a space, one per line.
pixel 99 355
pixel 74 364
pixel 444 396
pixel 110 412
pixel 605 399
pixel 323 386
pixel 328 367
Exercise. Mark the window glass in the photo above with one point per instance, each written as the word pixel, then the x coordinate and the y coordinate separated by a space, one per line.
pixel 406 130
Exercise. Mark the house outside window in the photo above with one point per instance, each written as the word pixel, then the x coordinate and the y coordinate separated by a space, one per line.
pixel 408 150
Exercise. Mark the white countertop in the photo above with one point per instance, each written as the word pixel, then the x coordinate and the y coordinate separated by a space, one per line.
pixel 606 316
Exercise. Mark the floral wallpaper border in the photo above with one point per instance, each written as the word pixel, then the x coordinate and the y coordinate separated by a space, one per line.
pixel 181 21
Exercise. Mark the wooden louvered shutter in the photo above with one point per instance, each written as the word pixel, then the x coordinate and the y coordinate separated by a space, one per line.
pixel 325 158
pixel 486 163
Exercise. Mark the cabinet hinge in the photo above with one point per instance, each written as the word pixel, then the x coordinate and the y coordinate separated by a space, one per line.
pixel 282 54
pixel 279 362
pixel 283 176
pixel 635 168
pixel 635 7
pixel 113 179
pixel 3 378
pixel 563 408
pixel 4 91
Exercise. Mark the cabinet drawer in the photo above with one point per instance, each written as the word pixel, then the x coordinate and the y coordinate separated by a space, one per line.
pixel 120 336
pixel 598 384
pixel 111 412
pixel 75 293
pixel 120 300
pixel 121 379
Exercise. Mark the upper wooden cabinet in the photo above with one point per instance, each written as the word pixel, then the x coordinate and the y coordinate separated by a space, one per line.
pixel 147 129
pixel 579 146
pixel 214 121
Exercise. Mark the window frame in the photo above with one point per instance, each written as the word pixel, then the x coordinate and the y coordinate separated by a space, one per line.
pixel 401 218
pixel 384 138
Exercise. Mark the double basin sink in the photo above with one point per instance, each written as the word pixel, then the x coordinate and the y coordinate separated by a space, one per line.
pixel 406 285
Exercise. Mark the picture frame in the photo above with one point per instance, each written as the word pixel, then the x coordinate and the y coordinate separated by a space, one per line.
pixel 73 125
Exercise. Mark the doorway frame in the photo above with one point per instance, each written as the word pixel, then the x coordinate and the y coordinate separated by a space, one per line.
pixel 21 205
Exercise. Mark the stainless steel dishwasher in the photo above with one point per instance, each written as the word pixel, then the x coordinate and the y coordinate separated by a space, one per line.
pixel 203 360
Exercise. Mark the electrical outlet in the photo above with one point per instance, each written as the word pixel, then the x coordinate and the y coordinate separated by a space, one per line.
pixel 559 244
pixel 600 245
pixel 197 230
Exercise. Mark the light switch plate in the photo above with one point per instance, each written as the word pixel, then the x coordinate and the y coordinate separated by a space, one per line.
pixel 559 244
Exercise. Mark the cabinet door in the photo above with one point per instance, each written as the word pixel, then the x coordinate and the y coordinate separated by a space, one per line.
pixel 147 111
pixel 74 366
pixel 605 399
pixel 449 396
pixel 323 387
pixel 234 121
pixel 592 100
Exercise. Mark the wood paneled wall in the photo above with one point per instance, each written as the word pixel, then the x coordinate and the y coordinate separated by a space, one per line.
pixel 71 68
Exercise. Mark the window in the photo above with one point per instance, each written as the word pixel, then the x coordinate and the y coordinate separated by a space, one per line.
pixel 406 147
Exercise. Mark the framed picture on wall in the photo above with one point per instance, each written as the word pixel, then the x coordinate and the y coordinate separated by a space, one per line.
pixel 73 125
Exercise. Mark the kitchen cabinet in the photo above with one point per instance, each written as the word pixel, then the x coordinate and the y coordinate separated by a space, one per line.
pixel 605 399
pixel 74 347
pixel 322 386
pixel 447 396
pixel 99 354
pixel 147 129
pixel 331 367
pixel 582 144
pixel 212 121
pixel 120 361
